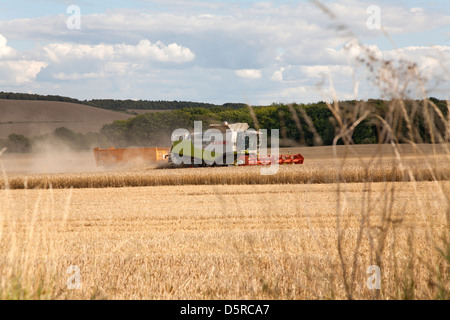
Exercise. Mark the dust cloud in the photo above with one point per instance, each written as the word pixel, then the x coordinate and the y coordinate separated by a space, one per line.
pixel 50 158
pixel 55 156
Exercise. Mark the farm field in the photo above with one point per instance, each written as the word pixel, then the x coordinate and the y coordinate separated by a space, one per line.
pixel 224 242
pixel 309 232
pixel 66 169
pixel 32 118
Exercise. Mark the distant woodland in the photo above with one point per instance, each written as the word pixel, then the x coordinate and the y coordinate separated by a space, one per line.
pixel 299 124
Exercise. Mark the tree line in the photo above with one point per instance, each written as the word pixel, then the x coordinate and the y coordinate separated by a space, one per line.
pixel 119 105
pixel 299 124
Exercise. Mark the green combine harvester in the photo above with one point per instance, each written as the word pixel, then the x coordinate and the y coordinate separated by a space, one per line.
pixel 224 145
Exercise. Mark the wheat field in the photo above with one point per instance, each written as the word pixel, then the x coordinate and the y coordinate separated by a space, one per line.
pixel 308 241
pixel 363 163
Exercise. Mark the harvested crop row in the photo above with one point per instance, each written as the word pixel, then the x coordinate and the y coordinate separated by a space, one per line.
pixel 317 172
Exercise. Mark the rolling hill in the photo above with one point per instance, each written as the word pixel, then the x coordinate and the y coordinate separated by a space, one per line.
pixel 32 118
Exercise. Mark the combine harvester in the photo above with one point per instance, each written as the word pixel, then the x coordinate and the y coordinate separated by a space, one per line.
pixel 239 146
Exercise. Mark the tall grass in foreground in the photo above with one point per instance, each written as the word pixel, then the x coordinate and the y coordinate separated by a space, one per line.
pixel 401 123
pixel 27 266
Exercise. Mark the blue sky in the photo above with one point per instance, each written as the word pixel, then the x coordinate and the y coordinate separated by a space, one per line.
pixel 220 51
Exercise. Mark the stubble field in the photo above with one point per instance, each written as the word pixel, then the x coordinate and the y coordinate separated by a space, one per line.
pixel 239 238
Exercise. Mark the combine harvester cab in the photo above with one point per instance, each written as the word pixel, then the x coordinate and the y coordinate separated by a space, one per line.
pixel 241 147
pixel 113 156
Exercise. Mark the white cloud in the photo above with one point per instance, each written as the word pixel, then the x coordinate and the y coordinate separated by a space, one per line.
pixel 5 50
pixel 227 35
pixel 319 71
pixel 353 49
pixel 432 65
pixel 58 52
pixel 120 68
pixel 278 75
pixel 144 50
pixel 14 69
pixel 295 91
pixel 16 72
pixel 158 52
pixel 249 73
pixel 416 10
pixel 76 76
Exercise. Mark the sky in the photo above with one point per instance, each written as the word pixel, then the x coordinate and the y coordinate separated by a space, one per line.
pixel 220 51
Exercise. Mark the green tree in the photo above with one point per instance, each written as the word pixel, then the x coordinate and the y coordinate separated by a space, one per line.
pixel 18 143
